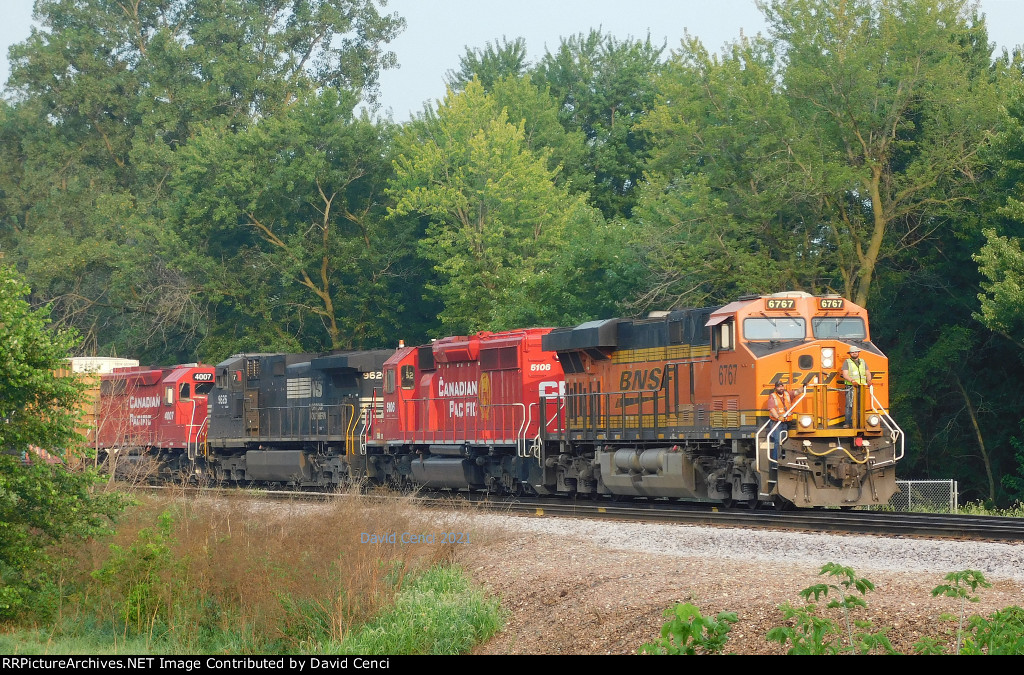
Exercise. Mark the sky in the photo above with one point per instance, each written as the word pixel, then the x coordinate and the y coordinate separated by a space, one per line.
pixel 438 32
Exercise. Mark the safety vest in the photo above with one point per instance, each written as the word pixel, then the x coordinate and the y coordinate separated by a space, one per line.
pixel 781 406
pixel 858 370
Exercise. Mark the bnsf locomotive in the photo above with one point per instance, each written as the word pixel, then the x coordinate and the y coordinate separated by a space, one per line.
pixel 671 406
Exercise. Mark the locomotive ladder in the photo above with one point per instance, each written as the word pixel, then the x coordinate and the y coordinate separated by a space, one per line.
pixel 369 413
pixel 773 463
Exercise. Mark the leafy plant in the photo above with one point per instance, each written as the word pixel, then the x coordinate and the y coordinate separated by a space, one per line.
pixel 689 632
pixel 1002 632
pixel 815 634
pixel 133 575
pixel 961 585
pixel 42 501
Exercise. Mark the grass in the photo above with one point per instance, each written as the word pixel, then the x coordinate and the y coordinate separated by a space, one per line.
pixel 438 613
pixel 980 509
pixel 244 576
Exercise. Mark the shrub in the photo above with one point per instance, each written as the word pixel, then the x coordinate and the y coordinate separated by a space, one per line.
pixel 689 632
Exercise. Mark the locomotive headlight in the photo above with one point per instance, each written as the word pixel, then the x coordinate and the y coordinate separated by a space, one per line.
pixel 805 421
pixel 873 420
pixel 828 357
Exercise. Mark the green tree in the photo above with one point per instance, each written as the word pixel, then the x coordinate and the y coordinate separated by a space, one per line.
pixel 1002 305
pixel 496 216
pixel 1001 261
pixel 842 144
pixel 724 208
pixel 105 94
pixel 288 222
pixel 605 87
pixel 893 97
pixel 41 503
pixel 490 64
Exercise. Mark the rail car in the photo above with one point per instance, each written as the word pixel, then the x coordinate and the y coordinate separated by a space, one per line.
pixel 670 406
pixel 299 419
pixel 153 419
pixel 465 412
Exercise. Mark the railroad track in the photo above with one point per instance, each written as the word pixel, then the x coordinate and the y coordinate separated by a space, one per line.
pixel 877 523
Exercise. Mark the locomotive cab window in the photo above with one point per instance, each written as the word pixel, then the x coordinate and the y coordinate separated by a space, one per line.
pixel 723 336
pixel 169 395
pixel 183 394
pixel 408 377
pixel 203 388
pixel 775 328
pixel 389 381
pixel 839 327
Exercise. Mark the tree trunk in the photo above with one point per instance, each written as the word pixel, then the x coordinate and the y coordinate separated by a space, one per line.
pixel 981 441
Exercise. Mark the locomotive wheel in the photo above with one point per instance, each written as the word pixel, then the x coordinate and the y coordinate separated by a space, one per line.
pixel 753 503
pixel 728 503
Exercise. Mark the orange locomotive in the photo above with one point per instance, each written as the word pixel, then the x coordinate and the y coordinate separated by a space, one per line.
pixel 676 406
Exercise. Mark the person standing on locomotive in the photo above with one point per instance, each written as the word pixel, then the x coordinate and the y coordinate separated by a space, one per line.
pixel 857 375
pixel 779 403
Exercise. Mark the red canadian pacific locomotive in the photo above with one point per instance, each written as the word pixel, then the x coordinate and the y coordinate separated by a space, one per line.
pixel 670 406
pixel 156 414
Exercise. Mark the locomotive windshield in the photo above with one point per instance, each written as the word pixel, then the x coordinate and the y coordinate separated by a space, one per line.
pixel 839 327
pixel 775 328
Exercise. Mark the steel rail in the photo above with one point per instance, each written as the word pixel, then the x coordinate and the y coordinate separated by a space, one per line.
pixel 825 521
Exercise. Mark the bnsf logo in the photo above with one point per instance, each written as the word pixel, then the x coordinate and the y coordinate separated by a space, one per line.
pixel 202 377
pixel 640 379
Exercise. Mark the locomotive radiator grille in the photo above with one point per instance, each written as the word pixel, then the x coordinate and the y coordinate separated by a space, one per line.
pixel 673 353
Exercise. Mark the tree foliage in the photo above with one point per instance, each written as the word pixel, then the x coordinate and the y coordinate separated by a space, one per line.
pixel 41 503
pixel 489 65
pixel 496 216
pixel 285 223
pixel 851 136
pixel 605 87
pixel 107 92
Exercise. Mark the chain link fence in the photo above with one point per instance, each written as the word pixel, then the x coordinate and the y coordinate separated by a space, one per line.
pixel 932 496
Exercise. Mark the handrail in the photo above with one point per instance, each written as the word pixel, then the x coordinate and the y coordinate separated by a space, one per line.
pixel 370 411
pixel 350 428
pixel 521 434
pixel 890 424
pixel 500 423
pixel 768 436
pixel 190 451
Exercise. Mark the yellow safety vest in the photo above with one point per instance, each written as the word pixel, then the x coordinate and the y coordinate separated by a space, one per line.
pixel 858 370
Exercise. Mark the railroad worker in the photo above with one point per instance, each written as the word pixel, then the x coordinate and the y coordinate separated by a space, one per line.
pixel 779 403
pixel 857 376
